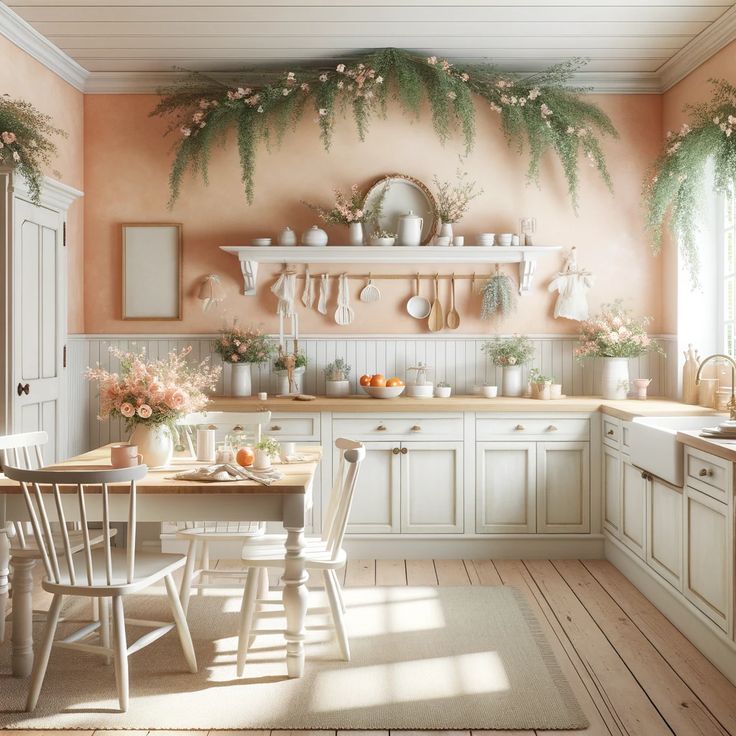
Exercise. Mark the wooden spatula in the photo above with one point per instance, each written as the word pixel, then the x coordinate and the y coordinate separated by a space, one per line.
pixel 453 316
pixel 436 319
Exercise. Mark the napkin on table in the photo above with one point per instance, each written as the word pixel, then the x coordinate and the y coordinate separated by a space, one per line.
pixel 228 472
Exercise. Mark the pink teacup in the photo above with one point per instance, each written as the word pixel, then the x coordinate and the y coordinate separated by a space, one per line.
pixel 125 456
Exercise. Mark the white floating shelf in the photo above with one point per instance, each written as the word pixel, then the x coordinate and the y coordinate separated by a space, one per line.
pixel 250 256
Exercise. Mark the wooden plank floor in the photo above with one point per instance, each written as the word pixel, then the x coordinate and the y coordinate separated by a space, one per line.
pixel 633 672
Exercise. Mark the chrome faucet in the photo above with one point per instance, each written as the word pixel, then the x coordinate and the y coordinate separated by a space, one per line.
pixel 731 406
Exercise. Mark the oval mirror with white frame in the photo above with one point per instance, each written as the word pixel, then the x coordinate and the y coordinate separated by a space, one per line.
pixel 404 194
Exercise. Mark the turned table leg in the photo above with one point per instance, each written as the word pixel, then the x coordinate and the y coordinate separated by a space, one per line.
pixel 295 588
pixel 4 571
pixel 22 638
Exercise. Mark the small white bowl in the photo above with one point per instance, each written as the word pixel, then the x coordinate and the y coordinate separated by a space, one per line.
pixel 420 391
pixel 261 241
pixel 505 239
pixel 486 238
pixel 384 392
pixel 442 240
pixel 490 392
pixel 443 392
pixel 381 241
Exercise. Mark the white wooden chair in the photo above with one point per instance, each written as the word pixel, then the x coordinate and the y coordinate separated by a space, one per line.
pixel 25 451
pixel 106 573
pixel 204 533
pixel 324 554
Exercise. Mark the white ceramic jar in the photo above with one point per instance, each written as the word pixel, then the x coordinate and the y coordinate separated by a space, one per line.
pixel 315 236
pixel 410 229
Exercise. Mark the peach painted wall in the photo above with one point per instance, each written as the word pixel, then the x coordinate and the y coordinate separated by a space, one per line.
pixel 23 77
pixel 127 166
pixel 694 88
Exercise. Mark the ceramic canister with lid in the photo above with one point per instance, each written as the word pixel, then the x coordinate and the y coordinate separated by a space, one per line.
pixel 410 229
pixel 315 236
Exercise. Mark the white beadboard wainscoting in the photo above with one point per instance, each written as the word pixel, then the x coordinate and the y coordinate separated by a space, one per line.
pixel 457 360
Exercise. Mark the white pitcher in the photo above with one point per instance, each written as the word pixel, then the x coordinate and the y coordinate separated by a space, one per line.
pixel 410 229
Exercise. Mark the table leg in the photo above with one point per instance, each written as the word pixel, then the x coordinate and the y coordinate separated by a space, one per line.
pixel 4 570
pixel 22 656
pixel 295 600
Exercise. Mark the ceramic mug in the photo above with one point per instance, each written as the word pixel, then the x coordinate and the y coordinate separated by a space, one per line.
pixel 288 449
pixel 490 392
pixel 125 456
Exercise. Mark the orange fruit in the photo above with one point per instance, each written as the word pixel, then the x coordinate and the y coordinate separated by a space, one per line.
pixel 394 382
pixel 378 380
pixel 245 457
pixel 365 380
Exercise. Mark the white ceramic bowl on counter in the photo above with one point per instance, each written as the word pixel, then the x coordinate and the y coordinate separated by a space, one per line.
pixel 420 391
pixel 384 392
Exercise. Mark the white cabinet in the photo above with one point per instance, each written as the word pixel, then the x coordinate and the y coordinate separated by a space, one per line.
pixel 633 508
pixel 506 487
pixel 563 487
pixel 377 499
pixel 431 487
pixel 708 574
pixel 611 460
pixel 664 538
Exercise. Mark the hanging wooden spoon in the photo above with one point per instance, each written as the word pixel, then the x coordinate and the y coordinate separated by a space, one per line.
pixel 453 316
pixel 436 319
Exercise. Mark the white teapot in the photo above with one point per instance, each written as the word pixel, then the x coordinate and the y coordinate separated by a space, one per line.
pixel 410 229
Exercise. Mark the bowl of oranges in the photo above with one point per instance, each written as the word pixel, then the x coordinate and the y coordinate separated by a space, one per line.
pixel 380 387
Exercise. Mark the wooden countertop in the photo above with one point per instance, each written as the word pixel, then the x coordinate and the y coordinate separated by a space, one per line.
pixel 725 449
pixel 362 403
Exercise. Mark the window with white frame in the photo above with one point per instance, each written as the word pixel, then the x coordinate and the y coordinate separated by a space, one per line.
pixel 727 240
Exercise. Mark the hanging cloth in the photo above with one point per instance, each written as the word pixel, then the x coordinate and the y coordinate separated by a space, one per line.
pixel 285 291
pixel 308 293
pixel 573 285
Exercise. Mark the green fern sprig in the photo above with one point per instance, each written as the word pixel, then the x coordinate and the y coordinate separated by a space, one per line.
pixel 496 296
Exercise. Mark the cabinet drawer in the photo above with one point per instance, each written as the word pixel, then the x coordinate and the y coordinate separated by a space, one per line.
pixel 612 432
pixel 524 428
pixel 399 427
pixel 294 427
pixel 710 475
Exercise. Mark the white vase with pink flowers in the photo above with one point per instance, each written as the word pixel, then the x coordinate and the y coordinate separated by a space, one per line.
pixel 152 395
pixel 241 347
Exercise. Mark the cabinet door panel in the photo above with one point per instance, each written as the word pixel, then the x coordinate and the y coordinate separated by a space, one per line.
pixel 506 487
pixel 375 508
pixel 633 509
pixel 432 487
pixel 664 540
pixel 708 564
pixel 563 487
pixel 611 490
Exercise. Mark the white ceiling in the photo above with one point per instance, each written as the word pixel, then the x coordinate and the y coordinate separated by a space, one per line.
pixel 632 43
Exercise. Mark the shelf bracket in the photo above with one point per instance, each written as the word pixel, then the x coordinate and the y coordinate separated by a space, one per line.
pixel 249 269
pixel 527 266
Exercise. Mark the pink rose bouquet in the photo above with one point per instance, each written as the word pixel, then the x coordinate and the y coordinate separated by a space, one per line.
pixel 615 333
pixel 244 345
pixel 153 391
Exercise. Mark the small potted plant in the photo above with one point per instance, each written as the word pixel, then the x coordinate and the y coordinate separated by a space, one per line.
pixel 510 354
pixel 453 200
pixel 382 237
pixel 290 384
pixel 543 387
pixel 489 390
pixel 443 390
pixel 265 451
pixel 337 374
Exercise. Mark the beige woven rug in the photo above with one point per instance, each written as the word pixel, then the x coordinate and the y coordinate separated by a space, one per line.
pixel 422 658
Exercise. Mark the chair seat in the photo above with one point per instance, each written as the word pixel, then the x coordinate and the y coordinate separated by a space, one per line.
pixel 149 567
pixel 269 551
pixel 76 542
pixel 211 533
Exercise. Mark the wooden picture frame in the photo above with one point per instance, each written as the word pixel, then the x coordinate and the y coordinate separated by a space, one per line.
pixel 152 271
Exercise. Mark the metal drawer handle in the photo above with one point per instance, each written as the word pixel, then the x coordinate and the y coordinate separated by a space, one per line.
pixel 705 472
pixel 416 428
pixel 23 389
pixel 404 450
pixel 519 428
pixel 396 451
pixel 381 428
pixel 610 433
pixel 275 427
pixel 551 428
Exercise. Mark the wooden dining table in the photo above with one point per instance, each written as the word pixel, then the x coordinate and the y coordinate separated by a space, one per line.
pixel 161 498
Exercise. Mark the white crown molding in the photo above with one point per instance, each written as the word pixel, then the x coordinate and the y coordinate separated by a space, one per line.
pixel 717 35
pixel 54 194
pixel 27 38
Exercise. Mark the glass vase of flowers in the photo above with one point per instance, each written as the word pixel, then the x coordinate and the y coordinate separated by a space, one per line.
pixel 510 354
pixel 151 395
pixel 241 347
pixel 614 336
pixel 453 200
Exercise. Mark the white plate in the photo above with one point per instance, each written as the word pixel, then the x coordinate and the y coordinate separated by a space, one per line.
pixel 404 195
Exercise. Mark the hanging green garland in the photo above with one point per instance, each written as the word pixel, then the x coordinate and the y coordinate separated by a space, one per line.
pixel 539 111
pixel 675 183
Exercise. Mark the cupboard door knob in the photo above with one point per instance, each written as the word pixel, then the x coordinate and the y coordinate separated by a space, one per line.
pixel 610 433
pixel 519 428
pixel 276 428
pixel 23 389
pixel 381 428
pixel 551 428
pixel 416 428
pixel 396 451
pixel 705 472
pixel 404 450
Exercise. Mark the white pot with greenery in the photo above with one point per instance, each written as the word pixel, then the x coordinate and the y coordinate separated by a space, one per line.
pixel 443 390
pixel 510 354
pixel 265 451
pixel 337 375
pixel 296 384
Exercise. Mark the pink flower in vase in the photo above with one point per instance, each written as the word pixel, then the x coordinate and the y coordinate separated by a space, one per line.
pixel 145 411
pixel 235 357
pixel 127 409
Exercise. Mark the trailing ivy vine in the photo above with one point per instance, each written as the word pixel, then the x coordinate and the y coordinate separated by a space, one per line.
pixel 675 182
pixel 540 112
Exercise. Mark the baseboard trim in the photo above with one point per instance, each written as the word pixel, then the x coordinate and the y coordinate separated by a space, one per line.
pixel 703 633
